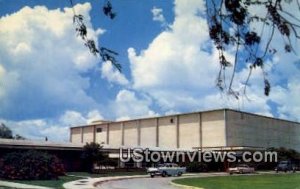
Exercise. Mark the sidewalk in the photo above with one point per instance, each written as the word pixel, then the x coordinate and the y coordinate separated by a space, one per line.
pixel 90 183
pixel 19 185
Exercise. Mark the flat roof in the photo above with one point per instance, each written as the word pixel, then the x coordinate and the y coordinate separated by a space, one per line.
pixel 187 113
pixel 150 117
pixel 39 144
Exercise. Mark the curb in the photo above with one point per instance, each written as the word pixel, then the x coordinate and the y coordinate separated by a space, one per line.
pixel 119 178
pixel 213 175
pixel 184 186
pixel 91 183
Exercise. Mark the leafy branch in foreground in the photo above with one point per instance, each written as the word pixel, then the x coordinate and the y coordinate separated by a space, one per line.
pixel 107 10
pixel 231 27
pixel 81 29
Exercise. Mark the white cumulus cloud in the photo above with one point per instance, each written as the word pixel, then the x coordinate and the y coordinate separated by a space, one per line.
pixel 54 129
pixel 177 67
pixel 128 105
pixel 42 63
pixel 94 115
pixel 158 16
pixel 112 75
pixel 44 59
pixel 180 66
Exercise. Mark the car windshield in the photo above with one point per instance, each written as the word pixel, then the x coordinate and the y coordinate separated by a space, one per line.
pixel 168 165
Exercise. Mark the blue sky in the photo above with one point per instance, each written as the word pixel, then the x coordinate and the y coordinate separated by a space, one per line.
pixel 49 81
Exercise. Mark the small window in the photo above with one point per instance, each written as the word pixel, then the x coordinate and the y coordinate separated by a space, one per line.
pixel 171 120
pixel 99 130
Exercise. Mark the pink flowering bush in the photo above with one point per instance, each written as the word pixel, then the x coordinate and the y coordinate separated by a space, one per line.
pixel 31 165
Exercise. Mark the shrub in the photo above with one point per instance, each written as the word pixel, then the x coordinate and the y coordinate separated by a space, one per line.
pixel 196 167
pixel 92 154
pixel 108 162
pixel 31 165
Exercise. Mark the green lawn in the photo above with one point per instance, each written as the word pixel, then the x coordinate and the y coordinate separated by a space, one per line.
pixel 279 181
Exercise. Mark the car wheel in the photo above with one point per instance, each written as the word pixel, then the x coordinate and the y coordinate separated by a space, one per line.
pixel 164 174
pixel 152 175
pixel 230 173
pixel 179 174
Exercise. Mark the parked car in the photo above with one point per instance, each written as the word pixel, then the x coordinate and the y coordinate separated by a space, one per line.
pixel 242 168
pixel 167 169
pixel 285 166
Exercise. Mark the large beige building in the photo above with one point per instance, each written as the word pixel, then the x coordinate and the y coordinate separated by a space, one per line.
pixel 222 129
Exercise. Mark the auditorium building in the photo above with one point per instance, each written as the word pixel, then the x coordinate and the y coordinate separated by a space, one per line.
pixel 222 129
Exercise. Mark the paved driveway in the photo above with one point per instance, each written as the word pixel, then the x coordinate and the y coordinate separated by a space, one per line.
pixel 140 183
pixel 150 183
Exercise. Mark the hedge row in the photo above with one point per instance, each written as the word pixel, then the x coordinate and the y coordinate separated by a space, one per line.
pixel 31 165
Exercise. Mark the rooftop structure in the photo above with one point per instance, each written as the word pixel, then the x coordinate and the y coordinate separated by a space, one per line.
pixel 214 129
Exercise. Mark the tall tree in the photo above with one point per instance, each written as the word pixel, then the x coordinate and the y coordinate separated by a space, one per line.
pixel 235 24
pixel 92 154
pixel 5 132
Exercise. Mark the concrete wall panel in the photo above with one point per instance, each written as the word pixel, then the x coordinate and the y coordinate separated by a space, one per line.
pixel 148 132
pixel 76 135
pixel 167 132
pixel 115 134
pixel 251 130
pixel 189 131
pixel 88 134
pixel 101 136
pixel 213 129
pixel 130 133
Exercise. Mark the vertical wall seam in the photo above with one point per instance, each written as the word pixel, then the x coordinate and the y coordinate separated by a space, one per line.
pixel 139 132
pixel 70 137
pixel 122 133
pixel 200 131
pixel 225 125
pixel 107 133
pixel 157 133
pixel 177 132
pixel 94 133
pixel 81 134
